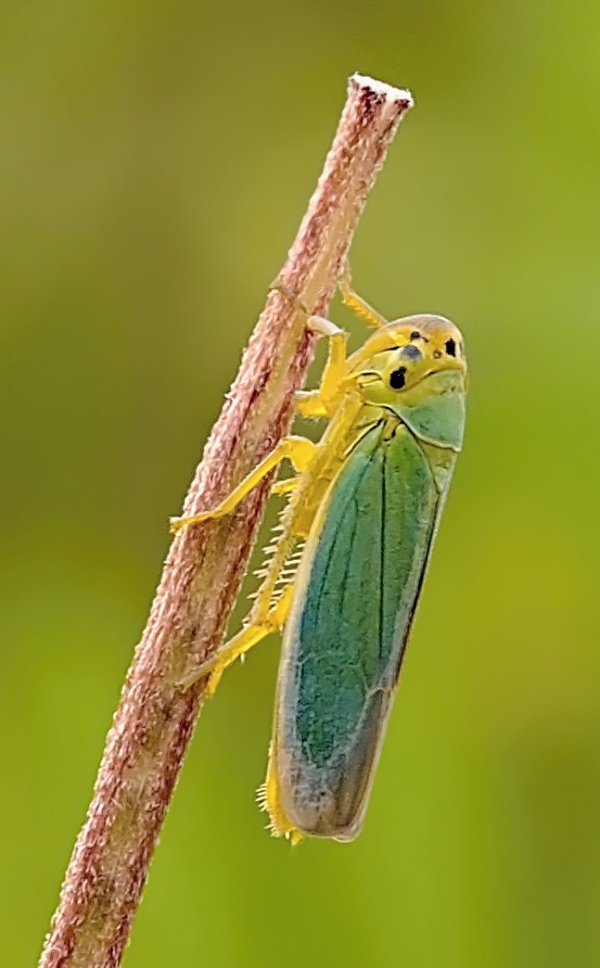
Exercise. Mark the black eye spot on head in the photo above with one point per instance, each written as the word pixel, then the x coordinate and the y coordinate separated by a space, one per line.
pixel 397 378
pixel 411 352
pixel 415 334
pixel 450 347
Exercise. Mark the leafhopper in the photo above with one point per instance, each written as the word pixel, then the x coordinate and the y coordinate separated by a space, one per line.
pixel 344 576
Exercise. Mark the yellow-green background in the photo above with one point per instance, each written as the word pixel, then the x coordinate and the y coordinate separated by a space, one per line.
pixel 155 160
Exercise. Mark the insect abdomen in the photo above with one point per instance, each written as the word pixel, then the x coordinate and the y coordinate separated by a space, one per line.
pixel 356 593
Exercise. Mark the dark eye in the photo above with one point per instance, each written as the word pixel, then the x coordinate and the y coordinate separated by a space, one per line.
pixel 397 378
pixel 450 347
pixel 415 334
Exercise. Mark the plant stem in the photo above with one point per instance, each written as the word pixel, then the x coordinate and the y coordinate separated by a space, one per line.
pixel 205 566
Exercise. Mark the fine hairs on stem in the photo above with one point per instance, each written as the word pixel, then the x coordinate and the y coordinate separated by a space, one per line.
pixel 154 721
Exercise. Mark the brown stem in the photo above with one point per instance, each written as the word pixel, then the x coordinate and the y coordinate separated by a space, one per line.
pixel 154 722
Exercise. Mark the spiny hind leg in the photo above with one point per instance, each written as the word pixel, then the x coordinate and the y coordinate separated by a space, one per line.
pixel 283 487
pixel 356 303
pixel 298 450
pixel 268 799
pixel 264 620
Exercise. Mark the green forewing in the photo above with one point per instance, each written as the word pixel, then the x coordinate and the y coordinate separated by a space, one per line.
pixel 363 584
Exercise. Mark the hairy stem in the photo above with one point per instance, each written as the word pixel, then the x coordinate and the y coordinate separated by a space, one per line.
pixel 154 721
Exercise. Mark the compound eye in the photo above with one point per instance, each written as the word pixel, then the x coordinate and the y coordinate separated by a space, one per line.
pixel 398 378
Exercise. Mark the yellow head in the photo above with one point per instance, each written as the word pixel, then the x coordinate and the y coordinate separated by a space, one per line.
pixel 420 375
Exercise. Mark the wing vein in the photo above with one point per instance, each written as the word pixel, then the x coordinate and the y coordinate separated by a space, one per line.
pixel 323 603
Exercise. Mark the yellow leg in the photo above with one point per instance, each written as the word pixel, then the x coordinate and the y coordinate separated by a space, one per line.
pixel 357 304
pixel 335 368
pixel 298 450
pixel 379 341
pixel 263 623
pixel 269 800
pixel 284 487
pixel 309 404
pixel 324 401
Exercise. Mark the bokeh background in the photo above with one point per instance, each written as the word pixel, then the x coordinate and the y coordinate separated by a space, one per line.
pixel 155 161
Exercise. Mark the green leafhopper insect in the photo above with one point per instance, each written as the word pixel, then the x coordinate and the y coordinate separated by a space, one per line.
pixel 345 574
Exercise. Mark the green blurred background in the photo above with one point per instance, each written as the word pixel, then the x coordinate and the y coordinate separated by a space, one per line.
pixel 155 161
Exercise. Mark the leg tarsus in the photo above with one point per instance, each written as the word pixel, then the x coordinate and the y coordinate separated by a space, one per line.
pixel 323 402
pixel 308 403
pixel 299 450
pixel 228 653
pixel 335 368
pixel 254 632
pixel 324 327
